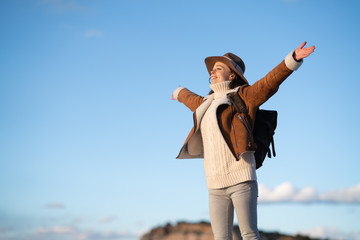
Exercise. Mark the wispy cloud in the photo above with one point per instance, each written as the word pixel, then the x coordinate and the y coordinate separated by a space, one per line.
pixel 73 233
pixel 7 233
pixel 78 220
pixel 291 1
pixel 330 233
pixel 55 230
pixel 286 192
pixel 62 5
pixel 107 219
pixel 55 206
pixel 93 33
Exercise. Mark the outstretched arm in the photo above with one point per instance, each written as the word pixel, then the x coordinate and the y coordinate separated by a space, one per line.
pixel 190 99
pixel 263 89
pixel 302 52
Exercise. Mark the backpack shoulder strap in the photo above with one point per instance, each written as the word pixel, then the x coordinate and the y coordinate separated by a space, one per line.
pixel 239 105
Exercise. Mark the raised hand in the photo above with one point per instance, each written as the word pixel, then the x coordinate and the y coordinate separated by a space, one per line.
pixel 302 52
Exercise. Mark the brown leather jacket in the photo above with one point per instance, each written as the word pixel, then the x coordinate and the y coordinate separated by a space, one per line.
pixel 232 129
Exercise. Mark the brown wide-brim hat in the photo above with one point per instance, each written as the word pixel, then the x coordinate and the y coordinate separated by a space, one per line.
pixel 231 60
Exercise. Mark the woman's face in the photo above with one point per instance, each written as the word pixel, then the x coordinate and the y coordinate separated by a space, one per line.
pixel 220 73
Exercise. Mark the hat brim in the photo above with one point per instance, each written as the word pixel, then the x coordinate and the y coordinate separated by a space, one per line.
pixel 210 62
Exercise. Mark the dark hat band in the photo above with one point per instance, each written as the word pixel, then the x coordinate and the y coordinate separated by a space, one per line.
pixel 235 65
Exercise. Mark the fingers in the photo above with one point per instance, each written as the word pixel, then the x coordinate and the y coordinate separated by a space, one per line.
pixel 302 45
pixel 302 52
pixel 309 49
pixel 312 48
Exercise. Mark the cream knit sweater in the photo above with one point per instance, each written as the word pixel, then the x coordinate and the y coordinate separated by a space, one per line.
pixel 221 168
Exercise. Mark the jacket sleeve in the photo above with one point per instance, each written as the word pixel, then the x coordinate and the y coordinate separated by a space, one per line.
pixel 188 98
pixel 263 89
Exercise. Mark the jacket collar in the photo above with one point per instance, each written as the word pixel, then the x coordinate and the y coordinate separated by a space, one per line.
pixel 200 111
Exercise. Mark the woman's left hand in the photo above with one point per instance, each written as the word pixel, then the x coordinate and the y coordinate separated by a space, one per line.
pixel 302 52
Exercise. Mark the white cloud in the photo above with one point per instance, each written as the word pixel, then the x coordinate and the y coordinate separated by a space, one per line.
pixel 282 193
pixel 348 195
pixel 93 33
pixel 330 233
pixel 286 192
pixel 307 194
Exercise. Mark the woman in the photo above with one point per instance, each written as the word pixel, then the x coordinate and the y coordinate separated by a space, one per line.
pixel 220 137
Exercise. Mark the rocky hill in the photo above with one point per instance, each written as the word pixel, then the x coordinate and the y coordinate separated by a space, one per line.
pixel 202 231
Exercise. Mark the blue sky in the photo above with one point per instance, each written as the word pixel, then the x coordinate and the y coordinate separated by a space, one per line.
pixel 89 135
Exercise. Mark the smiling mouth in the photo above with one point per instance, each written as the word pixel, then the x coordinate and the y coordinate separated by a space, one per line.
pixel 213 79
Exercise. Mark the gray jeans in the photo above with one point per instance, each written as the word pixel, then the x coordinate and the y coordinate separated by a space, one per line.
pixel 242 197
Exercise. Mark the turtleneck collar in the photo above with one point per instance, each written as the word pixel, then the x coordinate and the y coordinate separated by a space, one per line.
pixel 220 89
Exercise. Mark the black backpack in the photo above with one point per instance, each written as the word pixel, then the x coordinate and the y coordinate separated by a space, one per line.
pixel 263 130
